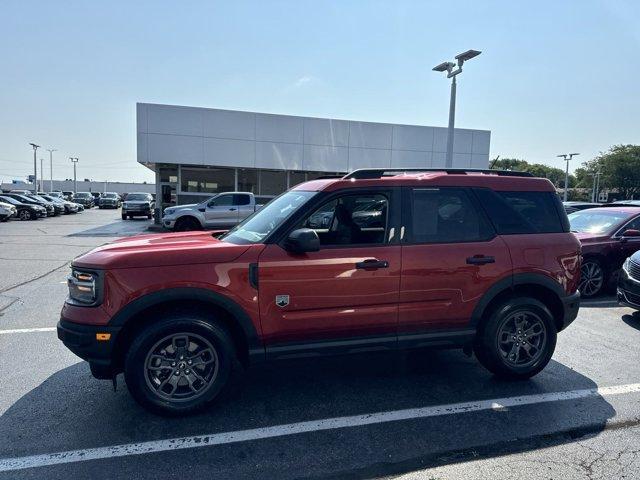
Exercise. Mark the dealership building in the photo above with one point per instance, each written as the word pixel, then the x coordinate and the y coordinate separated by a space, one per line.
pixel 198 152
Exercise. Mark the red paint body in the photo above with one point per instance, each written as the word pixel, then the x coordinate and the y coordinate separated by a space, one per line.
pixel 425 288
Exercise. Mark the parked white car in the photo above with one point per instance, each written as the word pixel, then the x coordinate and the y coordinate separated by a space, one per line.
pixel 220 211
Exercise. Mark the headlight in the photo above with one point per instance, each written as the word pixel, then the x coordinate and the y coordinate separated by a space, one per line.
pixel 170 211
pixel 83 287
pixel 625 265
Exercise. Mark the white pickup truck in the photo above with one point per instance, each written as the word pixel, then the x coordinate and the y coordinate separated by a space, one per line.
pixel 220 211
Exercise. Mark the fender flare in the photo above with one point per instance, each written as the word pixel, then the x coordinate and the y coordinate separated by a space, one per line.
pixel 186 294
pixel 509 283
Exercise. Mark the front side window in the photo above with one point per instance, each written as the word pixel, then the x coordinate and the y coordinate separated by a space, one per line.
pixel 259 225
pixel 351 220
pixel 446 215
pixel 221 201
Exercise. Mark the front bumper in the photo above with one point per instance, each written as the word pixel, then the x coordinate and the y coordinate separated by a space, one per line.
pixel 81 340
pixel 168 223
pixel 628 290
pixel 136 211
pixel 41 213
pixel 570 305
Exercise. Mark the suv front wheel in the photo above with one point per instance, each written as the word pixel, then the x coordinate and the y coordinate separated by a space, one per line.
pixel 517 339
pixel 180 364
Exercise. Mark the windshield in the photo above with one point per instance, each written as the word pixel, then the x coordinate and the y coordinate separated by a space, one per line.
pixel 590 221
pixel 110 195
pixel 255 228
pixel 82 195
pixel 137 196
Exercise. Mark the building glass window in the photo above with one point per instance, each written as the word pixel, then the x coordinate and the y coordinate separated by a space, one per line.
pixel 207 180
pixel 168 174
pixel 247 180
pixel 314 175
pixel 273 182
pixel 295 178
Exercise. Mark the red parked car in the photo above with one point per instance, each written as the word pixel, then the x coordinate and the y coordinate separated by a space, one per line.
pixel 478 260
pixel 608 235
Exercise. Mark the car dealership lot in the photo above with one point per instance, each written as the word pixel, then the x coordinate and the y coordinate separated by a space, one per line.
pixel 578 418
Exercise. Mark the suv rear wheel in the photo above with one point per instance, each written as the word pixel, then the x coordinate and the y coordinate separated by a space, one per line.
pixel 180 364
pixel 518 339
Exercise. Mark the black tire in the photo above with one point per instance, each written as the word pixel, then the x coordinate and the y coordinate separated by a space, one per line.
pixel 186 224
pixel 149 217
pixel 124 216
pixel 491 351
pixel 25 215
pixel 593 278
pixel 140 381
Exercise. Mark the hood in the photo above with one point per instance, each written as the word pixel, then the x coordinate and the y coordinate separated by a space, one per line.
pixel 165 249
pixel 137 202
pixel 182 207
pixel 586 237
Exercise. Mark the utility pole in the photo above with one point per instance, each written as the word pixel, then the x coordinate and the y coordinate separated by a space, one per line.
pixel 74 160
pixel 567 157
pixel 50 150
pixel 451 73
pixel 41 175
pixel 35 167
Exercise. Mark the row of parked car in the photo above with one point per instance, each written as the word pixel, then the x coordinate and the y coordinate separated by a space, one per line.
pixel 26 205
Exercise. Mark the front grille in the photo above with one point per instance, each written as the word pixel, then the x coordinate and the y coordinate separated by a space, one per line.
pixel 634 270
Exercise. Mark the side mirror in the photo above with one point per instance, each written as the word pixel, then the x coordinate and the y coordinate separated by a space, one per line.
pixel 631 233
pixel 302 240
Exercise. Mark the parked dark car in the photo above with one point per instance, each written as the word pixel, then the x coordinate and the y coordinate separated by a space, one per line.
pixel 85 199
pixel 629 282
pixel 57 208
pixel 138 205
pixel 608 236
pixel 66 206
pixel 109 200
pixel 26 198
pixel 26 211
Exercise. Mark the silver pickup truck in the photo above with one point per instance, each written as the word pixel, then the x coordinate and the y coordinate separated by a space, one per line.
pixel 220 211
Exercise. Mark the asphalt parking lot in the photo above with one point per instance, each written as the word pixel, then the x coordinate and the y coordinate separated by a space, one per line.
pixel 422 415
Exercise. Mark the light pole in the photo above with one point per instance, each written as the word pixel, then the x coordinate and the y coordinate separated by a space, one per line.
pixel 41 175
pixel 51 150
pixel 74 160
pixel 451 73
pixel 567 157
pixel 35 167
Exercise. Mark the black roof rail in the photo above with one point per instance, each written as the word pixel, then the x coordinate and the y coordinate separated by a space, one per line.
pixel 371 173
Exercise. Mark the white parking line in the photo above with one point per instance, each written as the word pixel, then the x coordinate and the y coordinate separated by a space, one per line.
pixel 27 330
pixel 497 405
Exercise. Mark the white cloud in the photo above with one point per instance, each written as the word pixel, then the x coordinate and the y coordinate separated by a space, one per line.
pixel 302 81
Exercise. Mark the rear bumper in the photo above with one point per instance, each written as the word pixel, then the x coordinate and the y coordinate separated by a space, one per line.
pixel 81 340
pixel 628 291
pixel 570 305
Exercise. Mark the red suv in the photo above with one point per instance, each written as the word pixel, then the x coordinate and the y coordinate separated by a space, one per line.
pixel 478 260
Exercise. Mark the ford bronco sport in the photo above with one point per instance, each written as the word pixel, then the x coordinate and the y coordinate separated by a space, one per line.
pixel 376 260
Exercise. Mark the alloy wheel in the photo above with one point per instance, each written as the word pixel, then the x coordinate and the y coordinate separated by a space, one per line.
pixel 591 279
pixel 24 215
pixel 521 339
pixel 181 367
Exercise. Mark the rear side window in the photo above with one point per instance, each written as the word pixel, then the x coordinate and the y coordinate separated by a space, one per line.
pixel 239 199
pixel 523 212
pixel 446 215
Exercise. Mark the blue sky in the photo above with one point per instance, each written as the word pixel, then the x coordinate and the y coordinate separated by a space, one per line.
pixel 554 77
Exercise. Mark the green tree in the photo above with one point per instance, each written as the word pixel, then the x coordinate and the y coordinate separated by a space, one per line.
pixel 556 175
pixel 620 169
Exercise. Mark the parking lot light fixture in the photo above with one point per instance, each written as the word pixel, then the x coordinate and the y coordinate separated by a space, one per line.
pixel 451 73
pixel 74 160
pixel 567 157
pixel 50 150
pixel 35 167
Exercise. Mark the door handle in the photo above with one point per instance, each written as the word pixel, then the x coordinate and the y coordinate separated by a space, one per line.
pixel 232 209
pixel 372 264
pixel 480 260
